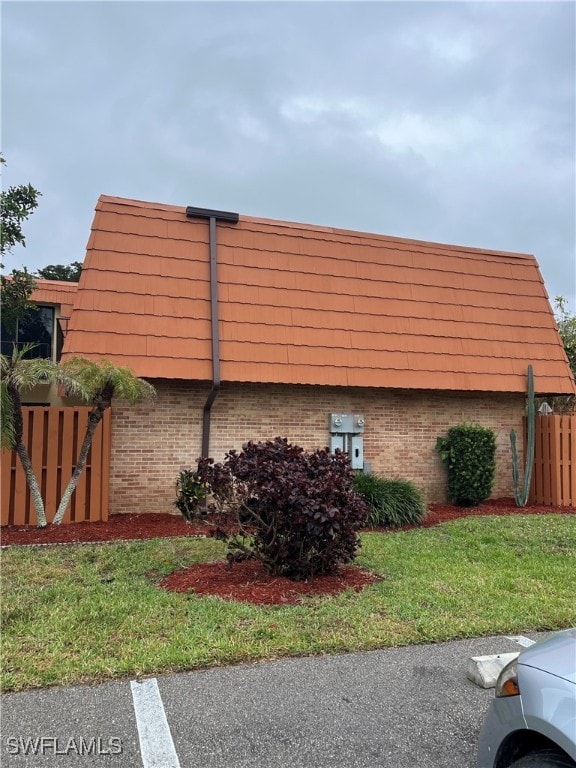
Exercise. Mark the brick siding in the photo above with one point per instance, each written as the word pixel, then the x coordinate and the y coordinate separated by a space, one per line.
pixel 150 445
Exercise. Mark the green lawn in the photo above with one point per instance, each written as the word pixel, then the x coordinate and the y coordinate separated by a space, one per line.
pixel 74 614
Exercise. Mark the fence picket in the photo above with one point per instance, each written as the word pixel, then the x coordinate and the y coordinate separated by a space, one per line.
pixel 80 497
pixel 569 462
pixel 21 494
pixel 537 469
pixel 51 462
pixel 106 426
pixel 66 450
pixel 7 458
pixel 94 498
pixel 546 460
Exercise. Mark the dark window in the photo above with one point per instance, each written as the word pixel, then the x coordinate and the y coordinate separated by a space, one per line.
pixel 37 327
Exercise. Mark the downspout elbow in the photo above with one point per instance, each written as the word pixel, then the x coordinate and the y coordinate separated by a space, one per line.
pixel 206 419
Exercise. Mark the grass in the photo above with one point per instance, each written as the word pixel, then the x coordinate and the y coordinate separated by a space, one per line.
pixel 88 613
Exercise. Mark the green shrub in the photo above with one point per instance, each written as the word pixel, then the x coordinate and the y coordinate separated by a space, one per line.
pixel 392 502
pixel 296 511
pixel 469 452
pixel 190 494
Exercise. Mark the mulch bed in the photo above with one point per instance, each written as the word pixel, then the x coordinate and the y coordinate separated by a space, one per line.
pixel 443 513
pixel 118 527
pixel 246 581
pixel 152 525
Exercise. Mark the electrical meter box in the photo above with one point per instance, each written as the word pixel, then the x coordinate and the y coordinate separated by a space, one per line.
pixel 341 423
pixel 346 423
pixel 346 430
pixel 337 442
pixel 356 451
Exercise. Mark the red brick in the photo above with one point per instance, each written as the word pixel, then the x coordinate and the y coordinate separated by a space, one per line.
pixel 152 444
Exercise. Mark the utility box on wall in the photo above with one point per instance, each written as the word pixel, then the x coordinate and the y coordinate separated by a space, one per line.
pixel 346 430
pixel 346 423
pixel 337 443
pixel 357 451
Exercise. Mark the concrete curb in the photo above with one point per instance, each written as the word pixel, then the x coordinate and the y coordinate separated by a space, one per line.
pixel 484 670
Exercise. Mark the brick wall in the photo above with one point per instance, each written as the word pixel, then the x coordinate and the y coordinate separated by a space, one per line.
pixel 151 444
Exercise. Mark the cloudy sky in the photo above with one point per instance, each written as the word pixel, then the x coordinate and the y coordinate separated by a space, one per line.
pixel 452 122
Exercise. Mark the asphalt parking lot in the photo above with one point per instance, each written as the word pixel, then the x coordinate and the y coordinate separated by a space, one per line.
pixel 407 707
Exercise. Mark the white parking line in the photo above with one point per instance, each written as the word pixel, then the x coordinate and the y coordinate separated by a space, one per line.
pixel 156 745
pixel 521 640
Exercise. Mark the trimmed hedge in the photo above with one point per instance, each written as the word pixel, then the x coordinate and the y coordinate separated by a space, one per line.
pixel 392 502
pixel 469 452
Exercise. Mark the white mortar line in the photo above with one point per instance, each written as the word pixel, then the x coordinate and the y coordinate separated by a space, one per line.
pixel 156 745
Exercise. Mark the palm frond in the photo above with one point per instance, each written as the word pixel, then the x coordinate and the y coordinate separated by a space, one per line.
pixel 29 373
pixel 24 373
pixel 72 386
pixel 96 377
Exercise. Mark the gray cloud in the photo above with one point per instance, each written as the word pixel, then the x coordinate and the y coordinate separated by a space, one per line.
pixel 440 121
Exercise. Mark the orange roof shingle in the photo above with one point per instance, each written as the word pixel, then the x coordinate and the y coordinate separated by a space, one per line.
pixel 59 292
pixel 301 304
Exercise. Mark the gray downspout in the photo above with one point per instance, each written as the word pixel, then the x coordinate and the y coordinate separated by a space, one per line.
pixel 213 217
pixel 215 341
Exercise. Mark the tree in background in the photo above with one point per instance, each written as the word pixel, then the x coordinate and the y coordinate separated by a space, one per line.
pixel 69 273
pixel 566 323
pixel 16 205
pixel 15 292
pixel 567 328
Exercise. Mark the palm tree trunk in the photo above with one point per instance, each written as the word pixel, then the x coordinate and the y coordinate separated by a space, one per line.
pixel 22 453
pixel 35 492
pixel 93 421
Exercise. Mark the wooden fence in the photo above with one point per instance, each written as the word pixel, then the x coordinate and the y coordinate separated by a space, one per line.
pixel 53 437
pixel 554 471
